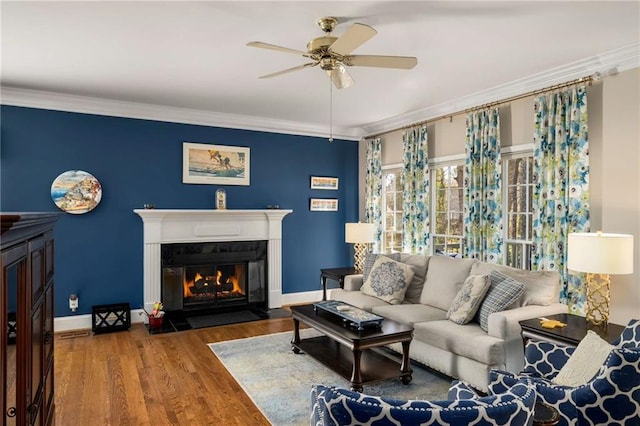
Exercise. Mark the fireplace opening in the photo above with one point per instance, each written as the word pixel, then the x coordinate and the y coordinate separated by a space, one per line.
pixel 201 278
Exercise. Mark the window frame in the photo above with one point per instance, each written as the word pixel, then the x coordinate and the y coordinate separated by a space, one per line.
pixel 523 247
pixel 451 161
pixel 386 170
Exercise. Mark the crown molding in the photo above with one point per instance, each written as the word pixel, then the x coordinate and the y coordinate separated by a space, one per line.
pixel 100 106
pixel 606 64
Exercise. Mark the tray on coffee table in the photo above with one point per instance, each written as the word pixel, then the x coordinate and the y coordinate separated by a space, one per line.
pixel 351 315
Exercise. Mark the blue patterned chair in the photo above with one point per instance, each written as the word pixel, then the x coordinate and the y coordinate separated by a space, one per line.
pixel 333 406
pixel 611 397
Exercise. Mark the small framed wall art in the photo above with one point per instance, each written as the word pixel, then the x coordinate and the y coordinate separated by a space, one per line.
pixel 324 182
pixel 323 204
pixel 215 164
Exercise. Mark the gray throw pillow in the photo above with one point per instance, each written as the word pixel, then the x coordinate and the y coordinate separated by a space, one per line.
pixel 388 280
pixel 502 293
pixel 468 300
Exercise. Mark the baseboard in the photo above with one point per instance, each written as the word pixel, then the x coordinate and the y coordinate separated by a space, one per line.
pixel 83 322
pixel 300 298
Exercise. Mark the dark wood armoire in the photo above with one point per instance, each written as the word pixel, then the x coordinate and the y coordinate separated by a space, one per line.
pixel 26 320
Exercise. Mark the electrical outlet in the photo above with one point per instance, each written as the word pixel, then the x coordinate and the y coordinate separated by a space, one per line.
pixel 73 302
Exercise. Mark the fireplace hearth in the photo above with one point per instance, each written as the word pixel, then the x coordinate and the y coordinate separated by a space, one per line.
pixel 212 277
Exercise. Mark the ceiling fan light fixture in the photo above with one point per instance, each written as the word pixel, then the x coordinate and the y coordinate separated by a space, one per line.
pixel 327 63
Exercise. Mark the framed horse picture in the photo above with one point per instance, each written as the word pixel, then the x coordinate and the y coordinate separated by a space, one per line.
pixel 215 164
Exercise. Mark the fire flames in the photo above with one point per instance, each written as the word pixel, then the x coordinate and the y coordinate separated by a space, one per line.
pixel 216 285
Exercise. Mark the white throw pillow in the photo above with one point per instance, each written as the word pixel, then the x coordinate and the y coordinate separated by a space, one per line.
pixel 468 300
pixel 584 363
pixel 388 280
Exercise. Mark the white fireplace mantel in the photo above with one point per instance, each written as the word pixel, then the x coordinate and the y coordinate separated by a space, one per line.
pixel 192 226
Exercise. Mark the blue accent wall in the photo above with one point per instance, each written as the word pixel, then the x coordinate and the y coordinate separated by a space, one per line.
pixel 99 254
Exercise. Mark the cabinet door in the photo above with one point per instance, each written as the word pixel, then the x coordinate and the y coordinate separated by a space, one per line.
pixel 14 276
pixel 35 353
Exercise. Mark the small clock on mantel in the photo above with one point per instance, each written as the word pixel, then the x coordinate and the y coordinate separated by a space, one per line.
pixel 221 199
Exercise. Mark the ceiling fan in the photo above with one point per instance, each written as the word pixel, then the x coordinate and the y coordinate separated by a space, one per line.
pixel 334 53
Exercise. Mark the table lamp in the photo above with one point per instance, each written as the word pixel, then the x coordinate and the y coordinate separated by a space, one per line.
pixel 360 234
pixel 599 255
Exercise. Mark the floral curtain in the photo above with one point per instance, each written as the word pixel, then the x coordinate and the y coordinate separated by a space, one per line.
pixel 483 188
pixel 373 189
pixel 415 177
pixel 561 184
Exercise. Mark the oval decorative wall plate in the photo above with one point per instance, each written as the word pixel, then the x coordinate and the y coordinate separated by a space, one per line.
pixel 76 192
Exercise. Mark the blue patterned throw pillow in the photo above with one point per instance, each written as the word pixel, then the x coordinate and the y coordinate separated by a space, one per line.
pixel 371 258
pixel 388 280
pixel 502 293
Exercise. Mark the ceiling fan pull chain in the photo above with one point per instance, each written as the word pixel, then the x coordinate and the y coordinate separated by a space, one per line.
pixel 330 111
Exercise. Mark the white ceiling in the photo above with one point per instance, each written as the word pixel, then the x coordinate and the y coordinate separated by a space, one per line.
pixel 188 61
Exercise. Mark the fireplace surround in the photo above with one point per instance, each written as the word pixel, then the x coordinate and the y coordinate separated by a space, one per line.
pixel 167 227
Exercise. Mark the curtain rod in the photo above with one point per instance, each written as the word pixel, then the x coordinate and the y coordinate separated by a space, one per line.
pixel 588 79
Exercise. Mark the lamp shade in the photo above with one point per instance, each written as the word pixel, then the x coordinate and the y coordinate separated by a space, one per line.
pixel 359 232
pixel 600 253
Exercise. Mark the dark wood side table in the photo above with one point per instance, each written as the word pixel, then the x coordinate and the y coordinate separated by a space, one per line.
pixel 336 274
pixel 570 335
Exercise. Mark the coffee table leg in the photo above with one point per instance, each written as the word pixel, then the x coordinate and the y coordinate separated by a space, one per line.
pixel 324 288
pixel 356 378
pixel 296 336
pixel 405 368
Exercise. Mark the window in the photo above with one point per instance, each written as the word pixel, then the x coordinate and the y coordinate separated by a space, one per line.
pixel 519 208
pixel 447 206
pixel 447 214
pixel 392 210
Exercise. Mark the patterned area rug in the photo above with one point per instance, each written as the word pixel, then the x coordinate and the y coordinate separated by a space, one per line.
pixel 279 381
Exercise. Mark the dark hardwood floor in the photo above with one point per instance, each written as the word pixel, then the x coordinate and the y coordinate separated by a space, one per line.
pixel 134 378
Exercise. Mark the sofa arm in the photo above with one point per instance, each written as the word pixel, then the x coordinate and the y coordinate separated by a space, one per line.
pixel 505 326
pixel 353 282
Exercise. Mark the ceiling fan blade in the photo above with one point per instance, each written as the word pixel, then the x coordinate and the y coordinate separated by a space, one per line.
pixel 299 67
pixel 354 37
pixel 340 77
pixel 277 48
pixel 400 62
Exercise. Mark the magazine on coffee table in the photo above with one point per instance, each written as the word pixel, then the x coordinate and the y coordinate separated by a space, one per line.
pixel 350 314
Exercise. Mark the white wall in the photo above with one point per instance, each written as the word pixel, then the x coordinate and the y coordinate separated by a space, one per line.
pixel 614 145
pixel 620 181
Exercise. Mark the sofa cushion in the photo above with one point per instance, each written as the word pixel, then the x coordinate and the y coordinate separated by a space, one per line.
pixel 467 340
pixel 357 298
pixel 445 276
pixel 370 259
pixel 541 287
pixel 409 313
pixel 388 280
pixel 503 292
pixel 468 300
pixel 419 264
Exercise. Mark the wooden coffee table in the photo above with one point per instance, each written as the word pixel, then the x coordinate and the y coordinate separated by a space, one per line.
pixel 349 352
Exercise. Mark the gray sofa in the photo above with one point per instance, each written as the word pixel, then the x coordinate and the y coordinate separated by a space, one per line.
pixel 466 352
